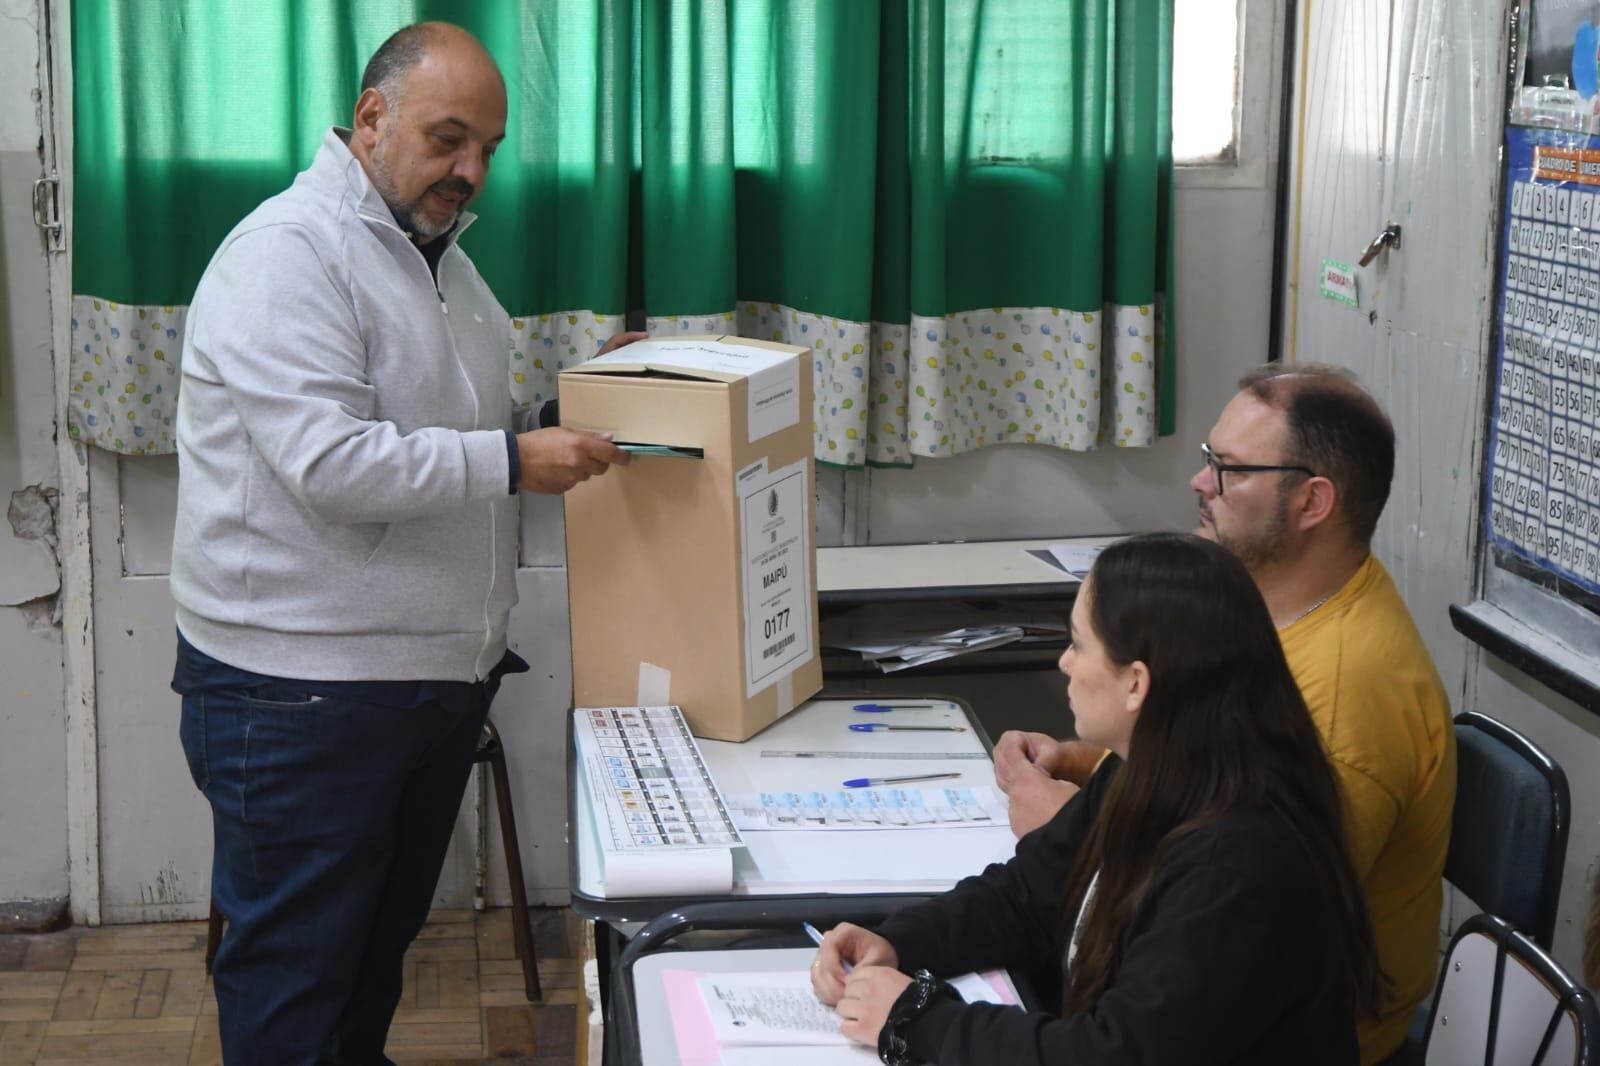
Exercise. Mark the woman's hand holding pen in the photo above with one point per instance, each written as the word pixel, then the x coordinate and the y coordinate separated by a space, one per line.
pixel 844 947
pixel 869 993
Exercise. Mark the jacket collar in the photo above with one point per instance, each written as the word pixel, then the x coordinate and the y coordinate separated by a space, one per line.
pixel 335 163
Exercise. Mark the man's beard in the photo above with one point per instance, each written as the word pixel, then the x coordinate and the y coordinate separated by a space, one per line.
pixel 1263 547
pixel 409 214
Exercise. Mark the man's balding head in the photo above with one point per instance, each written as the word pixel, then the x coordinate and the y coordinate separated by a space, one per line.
pixel 431 113
pixel 387 70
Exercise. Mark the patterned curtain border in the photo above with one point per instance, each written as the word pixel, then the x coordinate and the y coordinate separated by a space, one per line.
pixel 886 393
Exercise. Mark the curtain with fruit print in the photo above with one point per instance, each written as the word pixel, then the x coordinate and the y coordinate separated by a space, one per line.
pixel 961 206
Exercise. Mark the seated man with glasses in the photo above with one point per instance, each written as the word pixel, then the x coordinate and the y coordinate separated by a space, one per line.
pixel 1297 471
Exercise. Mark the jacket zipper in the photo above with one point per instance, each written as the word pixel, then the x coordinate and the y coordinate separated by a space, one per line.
pixel 488 628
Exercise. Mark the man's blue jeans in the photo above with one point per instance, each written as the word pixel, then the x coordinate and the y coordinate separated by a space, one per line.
pixel 331 818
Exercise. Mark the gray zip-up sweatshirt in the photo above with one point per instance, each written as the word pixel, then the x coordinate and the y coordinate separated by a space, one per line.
pixel 343 506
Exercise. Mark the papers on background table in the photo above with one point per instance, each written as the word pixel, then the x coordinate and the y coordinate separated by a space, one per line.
pixel 892 657
pixel 1075 559
pixel 662 826
pixel 868 808
pixel 897 637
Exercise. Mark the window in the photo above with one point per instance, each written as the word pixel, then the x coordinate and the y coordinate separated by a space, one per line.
pixel 1205 81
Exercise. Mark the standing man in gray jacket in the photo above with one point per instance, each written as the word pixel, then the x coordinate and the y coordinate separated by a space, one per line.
pixel 344 558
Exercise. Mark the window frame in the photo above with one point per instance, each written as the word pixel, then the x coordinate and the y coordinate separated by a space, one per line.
pixel 1259 62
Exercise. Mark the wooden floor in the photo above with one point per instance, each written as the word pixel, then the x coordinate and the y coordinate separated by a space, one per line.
pixel 139 994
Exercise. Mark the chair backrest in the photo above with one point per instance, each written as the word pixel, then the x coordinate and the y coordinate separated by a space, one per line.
pixel 1509 839
pixel 1502 1001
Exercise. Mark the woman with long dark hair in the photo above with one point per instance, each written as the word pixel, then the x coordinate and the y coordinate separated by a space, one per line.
pixel 1194 904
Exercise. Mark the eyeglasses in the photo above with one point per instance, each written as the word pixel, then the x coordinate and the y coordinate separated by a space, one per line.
pixel 1218 467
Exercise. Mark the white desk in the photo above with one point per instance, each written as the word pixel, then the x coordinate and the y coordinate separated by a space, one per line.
pixel 888 573
pixel 777 863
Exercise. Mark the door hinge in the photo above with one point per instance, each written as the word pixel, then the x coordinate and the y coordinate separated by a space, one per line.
pixel 47 212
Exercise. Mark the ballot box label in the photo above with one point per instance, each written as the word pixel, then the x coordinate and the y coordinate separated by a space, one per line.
pixel 775 532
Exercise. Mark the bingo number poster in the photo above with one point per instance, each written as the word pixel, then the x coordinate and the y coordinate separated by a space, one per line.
pixel 1542 491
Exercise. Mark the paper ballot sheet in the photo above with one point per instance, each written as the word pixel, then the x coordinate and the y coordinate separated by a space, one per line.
pixel 868 808
pixel 651 790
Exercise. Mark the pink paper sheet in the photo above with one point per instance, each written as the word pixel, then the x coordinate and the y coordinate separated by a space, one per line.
pixel 997 980
pixel 691 1022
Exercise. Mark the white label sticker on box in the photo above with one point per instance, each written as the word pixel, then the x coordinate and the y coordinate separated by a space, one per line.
pixel 774 399
pixel 772 378
pixel 775 532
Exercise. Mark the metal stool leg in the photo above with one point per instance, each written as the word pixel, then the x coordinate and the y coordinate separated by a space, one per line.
pixel 213 934
pixel 522 932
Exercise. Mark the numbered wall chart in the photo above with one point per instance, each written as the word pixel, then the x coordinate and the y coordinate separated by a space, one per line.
pixel 1542 490
pixel 650 787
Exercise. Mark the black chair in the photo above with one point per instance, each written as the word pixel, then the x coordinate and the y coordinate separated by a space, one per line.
pixel 1504 1002
pixel 492 752
pixel 1508 837
pixel 1508 842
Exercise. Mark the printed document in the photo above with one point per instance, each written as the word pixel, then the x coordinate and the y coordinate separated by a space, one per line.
pixel 768 1008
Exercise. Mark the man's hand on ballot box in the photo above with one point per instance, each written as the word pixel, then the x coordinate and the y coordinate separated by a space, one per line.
pixel 556 459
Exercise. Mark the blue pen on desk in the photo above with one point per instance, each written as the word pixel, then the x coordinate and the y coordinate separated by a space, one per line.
pixel 878 727
pixel 869 782
pixel 816 938
pixel 885 708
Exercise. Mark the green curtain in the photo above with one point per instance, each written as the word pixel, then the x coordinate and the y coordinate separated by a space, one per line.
pixel 189 113
pixel 961 206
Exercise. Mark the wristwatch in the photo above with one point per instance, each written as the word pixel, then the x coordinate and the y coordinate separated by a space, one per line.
pixel 923 992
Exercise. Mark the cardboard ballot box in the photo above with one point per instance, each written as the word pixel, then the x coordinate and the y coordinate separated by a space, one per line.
pixel 692 571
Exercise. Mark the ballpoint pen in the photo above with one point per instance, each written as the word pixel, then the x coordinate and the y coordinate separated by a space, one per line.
pixel 885 708
pixel 816 938
pixel 874 727
pixel 868 782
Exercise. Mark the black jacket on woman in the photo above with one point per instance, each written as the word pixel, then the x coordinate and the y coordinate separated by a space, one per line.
pixel 1232 956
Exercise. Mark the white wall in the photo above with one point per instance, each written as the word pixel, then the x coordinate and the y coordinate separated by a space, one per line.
pixel 33 833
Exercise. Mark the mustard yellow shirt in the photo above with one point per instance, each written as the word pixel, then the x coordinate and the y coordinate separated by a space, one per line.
pixel 1384 717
